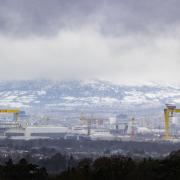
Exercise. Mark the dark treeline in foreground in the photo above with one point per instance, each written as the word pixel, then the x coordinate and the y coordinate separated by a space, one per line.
pixel 22 170
pixel 104 168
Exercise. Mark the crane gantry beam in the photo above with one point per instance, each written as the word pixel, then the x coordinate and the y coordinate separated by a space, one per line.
pixel 11 111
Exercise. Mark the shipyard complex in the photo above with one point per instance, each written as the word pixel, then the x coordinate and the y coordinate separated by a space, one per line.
pixel 14 125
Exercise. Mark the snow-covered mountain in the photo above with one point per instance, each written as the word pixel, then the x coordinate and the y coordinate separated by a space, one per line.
pixel 85 94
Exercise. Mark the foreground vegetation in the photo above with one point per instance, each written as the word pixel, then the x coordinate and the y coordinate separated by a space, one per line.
pixel 105 168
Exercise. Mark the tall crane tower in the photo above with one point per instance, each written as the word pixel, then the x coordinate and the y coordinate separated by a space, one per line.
pixel 133 126
pixel 168 113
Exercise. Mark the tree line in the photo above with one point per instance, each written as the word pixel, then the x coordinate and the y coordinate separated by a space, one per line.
pixel 125 168
pixel 103 168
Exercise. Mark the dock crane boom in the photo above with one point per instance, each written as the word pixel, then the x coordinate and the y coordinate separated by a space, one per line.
pixel 11 111
pixel 91 120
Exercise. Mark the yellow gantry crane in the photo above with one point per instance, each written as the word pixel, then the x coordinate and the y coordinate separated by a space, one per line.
pixel 12 111
pixel 169 112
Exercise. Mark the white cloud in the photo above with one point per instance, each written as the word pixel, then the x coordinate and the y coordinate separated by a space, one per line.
pixel 86 54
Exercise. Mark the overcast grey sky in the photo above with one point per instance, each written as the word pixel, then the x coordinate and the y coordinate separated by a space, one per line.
pixel 124 41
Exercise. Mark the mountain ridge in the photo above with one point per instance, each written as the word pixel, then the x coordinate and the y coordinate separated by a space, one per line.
pixel 37 93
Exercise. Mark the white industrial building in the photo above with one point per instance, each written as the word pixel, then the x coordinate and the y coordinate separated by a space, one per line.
pixel 31 132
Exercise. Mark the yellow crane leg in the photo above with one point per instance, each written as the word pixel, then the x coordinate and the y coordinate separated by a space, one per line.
pixel 167 129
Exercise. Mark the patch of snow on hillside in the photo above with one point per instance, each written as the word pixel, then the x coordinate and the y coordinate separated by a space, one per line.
pixel 13 104
pixel 40 93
